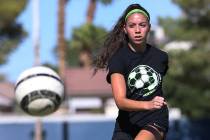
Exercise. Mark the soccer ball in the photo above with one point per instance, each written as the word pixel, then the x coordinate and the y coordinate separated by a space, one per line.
pixel 144 80
pixel 39 91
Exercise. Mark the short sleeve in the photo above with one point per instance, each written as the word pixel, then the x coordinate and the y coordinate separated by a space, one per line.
pixel 115 65
pixel 165 64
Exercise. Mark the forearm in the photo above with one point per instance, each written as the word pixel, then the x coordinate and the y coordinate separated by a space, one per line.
pixel 131 105
pixel 119 93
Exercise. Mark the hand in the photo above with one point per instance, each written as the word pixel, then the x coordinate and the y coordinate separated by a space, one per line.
pixel 156 103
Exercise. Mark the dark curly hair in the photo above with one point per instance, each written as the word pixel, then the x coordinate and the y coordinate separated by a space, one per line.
pixel 115 39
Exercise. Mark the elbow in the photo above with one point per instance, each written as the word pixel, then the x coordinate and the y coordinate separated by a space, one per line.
pixel 121 105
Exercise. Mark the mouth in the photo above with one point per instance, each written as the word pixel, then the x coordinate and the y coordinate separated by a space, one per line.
pixel 138 38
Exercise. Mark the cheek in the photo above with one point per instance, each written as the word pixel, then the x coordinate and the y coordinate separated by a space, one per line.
pixel 130 33
pixel 145 32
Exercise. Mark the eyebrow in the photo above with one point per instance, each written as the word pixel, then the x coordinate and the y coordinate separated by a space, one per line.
pixel 137 23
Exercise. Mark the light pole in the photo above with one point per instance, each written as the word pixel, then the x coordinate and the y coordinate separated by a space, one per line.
pixel 36 32
pixel 36 45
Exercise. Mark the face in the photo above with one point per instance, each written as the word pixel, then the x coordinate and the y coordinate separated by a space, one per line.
pixel 137 28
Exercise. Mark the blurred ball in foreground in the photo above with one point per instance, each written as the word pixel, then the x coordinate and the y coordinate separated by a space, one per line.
pixel 39 91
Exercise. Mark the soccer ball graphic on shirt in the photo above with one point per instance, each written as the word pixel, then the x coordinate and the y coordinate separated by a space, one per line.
pixel 39 91
pixel 144 79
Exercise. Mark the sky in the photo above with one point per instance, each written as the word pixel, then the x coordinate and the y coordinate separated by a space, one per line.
pixel 106 16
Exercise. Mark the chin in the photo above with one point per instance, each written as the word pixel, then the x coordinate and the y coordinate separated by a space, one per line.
pixel 138 43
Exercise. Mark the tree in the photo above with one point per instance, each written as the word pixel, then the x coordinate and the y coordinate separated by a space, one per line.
pixel 193 25
pixel 187 82
pixel 188 79
pixel 61 38
pixel 85 38
pixel 11 32
pixel 92 8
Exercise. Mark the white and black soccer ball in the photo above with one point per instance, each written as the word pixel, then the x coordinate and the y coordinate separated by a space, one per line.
pixel 144 79
pixel 39 91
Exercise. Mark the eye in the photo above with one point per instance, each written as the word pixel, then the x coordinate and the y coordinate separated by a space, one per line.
pixel 143 24
pixel 131 25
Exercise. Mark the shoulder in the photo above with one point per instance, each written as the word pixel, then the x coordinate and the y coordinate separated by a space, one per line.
pixel 161 60
pixel 158 52
pixel 116 64
pixel 119 54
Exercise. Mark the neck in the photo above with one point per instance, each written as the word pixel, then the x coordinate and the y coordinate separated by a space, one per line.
pixel 135 48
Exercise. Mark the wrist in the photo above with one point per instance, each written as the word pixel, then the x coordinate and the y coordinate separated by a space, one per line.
pixel 145 105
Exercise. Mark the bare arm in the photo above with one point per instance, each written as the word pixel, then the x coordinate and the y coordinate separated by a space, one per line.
pixel 119 93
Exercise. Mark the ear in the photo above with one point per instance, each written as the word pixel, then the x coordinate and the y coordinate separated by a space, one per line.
pixel 149 27
pixel 124 29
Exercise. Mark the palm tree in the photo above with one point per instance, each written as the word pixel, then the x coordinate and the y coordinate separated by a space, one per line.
pixel 85 40
pixel 11 32
pixel 86 53
pixel 92 8
pixel 61 39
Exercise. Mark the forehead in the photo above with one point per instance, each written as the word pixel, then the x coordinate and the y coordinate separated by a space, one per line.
pixel 137 17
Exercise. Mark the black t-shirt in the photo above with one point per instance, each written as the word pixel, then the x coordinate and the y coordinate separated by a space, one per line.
pixel 143 73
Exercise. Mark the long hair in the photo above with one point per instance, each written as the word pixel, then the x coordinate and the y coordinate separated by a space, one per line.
pixel 115 39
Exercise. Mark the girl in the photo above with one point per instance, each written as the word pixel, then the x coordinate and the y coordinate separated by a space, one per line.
pixel 135 72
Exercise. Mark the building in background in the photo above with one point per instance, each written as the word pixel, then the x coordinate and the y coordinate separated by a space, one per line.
pixel 7 97
pixel 87 92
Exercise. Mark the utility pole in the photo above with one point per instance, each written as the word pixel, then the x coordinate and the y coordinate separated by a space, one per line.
pixel 36 44
pixel 36 32
pixel 61 44
pixel 38 130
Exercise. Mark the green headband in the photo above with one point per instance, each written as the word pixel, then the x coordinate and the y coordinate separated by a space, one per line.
pixel 136 11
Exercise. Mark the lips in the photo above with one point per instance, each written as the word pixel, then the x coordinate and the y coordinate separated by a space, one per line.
pixel 138 38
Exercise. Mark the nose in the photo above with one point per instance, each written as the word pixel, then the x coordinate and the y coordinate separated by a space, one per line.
pixel 137 29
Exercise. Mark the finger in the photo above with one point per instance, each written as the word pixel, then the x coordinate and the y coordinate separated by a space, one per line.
pixel 160 101
pixel 159 97
pixel 159 104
